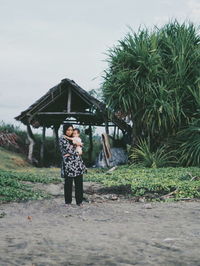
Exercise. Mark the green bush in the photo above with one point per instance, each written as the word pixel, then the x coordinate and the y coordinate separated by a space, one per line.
pixel 143 154
pixel 13 188
pixel 188 141
pixel 153 78
pixel 152 183
pixel 97 146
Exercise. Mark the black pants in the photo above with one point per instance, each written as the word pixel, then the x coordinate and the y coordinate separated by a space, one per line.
pixel 78 180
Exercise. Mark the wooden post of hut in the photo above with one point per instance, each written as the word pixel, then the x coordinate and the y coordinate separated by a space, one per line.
pixel 55 134
pixel 31 143
pixel 106 126
pixel 114 133
pixel 118 133
pixel 91 144
pixel 42 146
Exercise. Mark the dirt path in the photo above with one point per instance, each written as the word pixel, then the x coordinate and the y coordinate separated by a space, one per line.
pixel 104 232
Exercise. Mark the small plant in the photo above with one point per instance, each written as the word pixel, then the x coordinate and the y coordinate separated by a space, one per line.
pixel 188 141
pixel 158 184
pixel 13 185
pixel 142 154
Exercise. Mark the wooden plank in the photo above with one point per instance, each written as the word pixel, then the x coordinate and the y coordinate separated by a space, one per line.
pixel 75 122
pixel 66 113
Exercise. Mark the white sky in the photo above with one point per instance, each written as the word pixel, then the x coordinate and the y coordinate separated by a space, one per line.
pixel 44 41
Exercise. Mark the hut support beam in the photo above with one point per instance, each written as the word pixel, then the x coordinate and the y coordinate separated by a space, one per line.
pixel 114 133
pixel 91 143
pixel 42 146
pixel 55 134
pixel 117 133
pixel 106 126
pixel 31 143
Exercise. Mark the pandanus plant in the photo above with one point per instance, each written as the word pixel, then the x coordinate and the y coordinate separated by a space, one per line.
pixel 153 77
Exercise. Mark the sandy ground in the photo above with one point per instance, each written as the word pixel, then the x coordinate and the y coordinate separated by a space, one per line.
pixel 107 230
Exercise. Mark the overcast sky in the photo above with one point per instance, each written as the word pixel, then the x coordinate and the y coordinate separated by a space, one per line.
pixel 44 41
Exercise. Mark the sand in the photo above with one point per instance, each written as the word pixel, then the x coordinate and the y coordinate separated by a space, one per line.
pixel 107 230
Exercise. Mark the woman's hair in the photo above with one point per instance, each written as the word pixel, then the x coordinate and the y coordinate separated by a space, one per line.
pixel 66 126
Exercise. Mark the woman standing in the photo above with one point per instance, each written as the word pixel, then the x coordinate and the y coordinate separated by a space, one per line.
pixel 72 167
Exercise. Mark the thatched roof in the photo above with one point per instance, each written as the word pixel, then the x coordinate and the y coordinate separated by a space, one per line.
pixel 51 109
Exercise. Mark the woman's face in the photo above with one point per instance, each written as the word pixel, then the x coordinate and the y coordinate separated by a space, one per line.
pixel 69 131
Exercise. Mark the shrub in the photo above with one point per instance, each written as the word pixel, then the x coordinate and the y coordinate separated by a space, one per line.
pixel 188 141
pixel 142 154
pixel 152 183
pixel 153 79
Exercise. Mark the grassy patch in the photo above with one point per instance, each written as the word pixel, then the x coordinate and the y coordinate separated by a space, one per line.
pixel 16 172
pixel 12 160
pixel 153 184
pixel 12 187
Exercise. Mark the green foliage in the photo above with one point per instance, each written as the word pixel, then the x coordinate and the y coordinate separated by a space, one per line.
pixel 14 187
pixel 21 140
pixel 11 190
pixel 38 176
pixel 52 156
pixel 97 145
pixel 9 128
pixel 97 93
pixel 12 160
pixel 153 77
pixel 152 183
pixel 143 154
pixel 189 144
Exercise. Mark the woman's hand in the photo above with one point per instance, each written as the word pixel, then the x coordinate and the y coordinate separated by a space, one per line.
pixel 67 155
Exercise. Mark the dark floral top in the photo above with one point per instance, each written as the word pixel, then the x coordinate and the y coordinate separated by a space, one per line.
pixel 72 165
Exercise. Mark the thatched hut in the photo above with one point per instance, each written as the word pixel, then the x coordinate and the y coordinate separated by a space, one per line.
pixel 67 102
